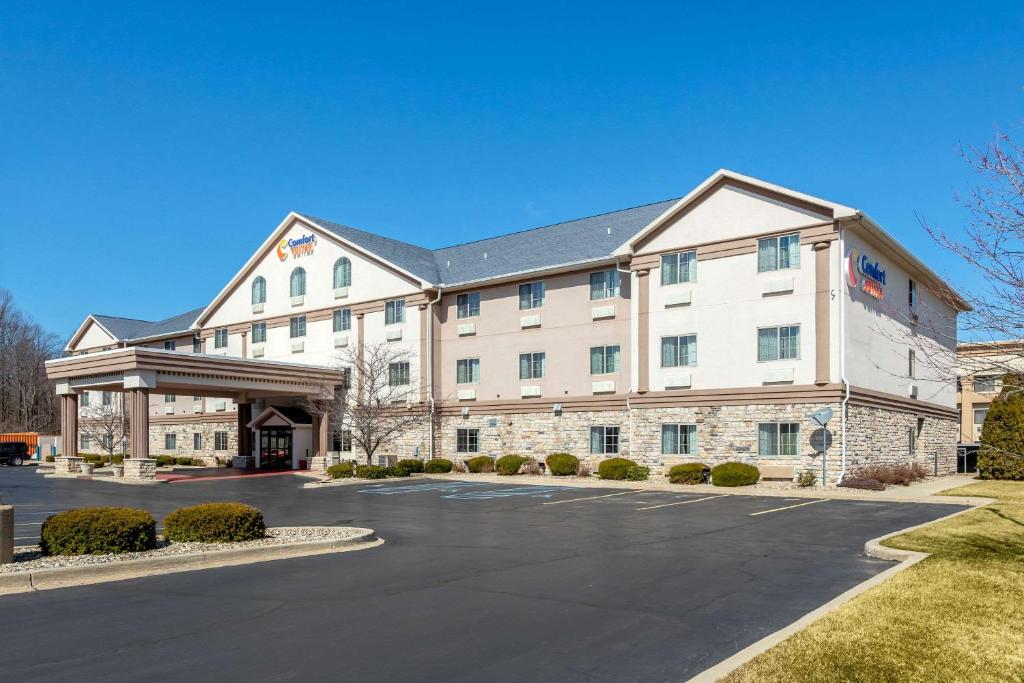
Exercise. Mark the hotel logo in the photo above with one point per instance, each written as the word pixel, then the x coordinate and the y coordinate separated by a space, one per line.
pixel 296 248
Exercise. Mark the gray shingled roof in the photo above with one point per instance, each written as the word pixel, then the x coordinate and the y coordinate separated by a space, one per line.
pixel 578 241
pixel 127 329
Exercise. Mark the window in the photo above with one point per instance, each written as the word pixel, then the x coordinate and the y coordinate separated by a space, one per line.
pixel 84 399
pixel 778 253
pixel 170 442
pixel 107 398
pixel 604 285
pixel 467 371
pixel 679 439
pixel 259 291
pixel 342 273
pixel 531 295
pixel 986 384
pixel 220 338
pixel 604 359
pixel 679 351
pixel 259 333
pixel 467 440
pixel 170 345
pixel 297 285
pixel 170 398
pixel 398 374
pixel 342 320
pixel 297 326
pixel 467 305
pixel 778 343
pixel 197 441
pixel 84 442
pixel 778 438
pixel 346 378
pixel 394 312
pixel 681 267
pixel 911 364
pixel 197 345
pixel 106 442
pixel 980 413
pixel 912 294
pixel 604 440
pixel 531 365
pixel 912 440
pixel 342 442
pixel 220 441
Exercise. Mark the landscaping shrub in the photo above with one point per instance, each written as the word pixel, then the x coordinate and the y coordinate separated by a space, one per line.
pixel 734 474
pixel 214 523
pixel 99 530
pixel 439 466
pixel 411 464
pixel 1002 434
pixel 395 471
pixel 164 460
pixel 481 463
pixel 563 464
pixel 585 469
pixel 509 464
pixel 852 482
pixel 531 466
pixel 614 468
pixel 638 473
pixel 184 461
pixel 687 473
pixel 806 479
pixel 371 472
pixel 51 458
pixel 341 471
pixel 889 475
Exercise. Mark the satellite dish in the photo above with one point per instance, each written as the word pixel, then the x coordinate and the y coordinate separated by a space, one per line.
pixel 822 416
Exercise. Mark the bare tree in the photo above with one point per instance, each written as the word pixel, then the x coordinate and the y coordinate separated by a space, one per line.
pixel 377 403
pixel 27 400
pixel 106 426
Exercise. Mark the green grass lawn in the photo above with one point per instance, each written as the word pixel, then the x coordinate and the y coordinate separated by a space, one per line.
pixel 956 616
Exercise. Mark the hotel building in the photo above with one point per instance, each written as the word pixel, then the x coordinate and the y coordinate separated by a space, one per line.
pixel 704 328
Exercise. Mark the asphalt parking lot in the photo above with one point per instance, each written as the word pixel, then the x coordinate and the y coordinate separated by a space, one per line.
pixel 476 581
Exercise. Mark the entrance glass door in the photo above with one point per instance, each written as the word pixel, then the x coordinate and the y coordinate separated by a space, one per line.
pixel 276 448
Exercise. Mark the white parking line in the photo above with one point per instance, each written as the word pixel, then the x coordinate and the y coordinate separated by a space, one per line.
pixel 607 495
pixel 683 502
pixel 790 507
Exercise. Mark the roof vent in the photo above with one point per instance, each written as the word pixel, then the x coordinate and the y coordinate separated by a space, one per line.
pixel 609 231
pixel 485 256
pixel 448 263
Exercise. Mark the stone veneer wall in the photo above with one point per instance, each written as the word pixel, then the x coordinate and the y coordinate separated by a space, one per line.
pixel 877 436
pixel 184 432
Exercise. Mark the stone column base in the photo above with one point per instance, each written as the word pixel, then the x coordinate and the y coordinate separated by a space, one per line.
pixel 243 462
pixel 67 464
pixel 318 463
pixel 140 468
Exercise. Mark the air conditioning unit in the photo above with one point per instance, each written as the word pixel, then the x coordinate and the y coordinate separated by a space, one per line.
pixel 913 391
pixel 297 300
pixel 467 329
pixel 257 352
pixel 529 321
pixel 341 292
pixel 680 381
pixel 169 409
pixel 197 407
pixel 298 347
pixel 393 335
pixel 467 394
pixel 257 308
pixel 784 286
pixel 220 405
pixel 602 312
pixel 681 298
pixel 604 387
pixel 777 376
pixel 529 392
pixel 340 341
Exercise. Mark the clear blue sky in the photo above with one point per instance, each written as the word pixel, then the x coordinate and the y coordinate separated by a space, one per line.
pixel 160 146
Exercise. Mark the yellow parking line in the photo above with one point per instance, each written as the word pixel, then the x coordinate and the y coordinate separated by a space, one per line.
pixel 682 502
pixel 790 507
pixel 607 495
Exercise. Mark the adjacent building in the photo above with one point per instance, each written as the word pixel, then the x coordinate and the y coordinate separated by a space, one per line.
pixel 709 327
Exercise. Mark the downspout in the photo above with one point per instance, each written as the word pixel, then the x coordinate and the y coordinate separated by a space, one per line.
pixel 842 354
pixel 629 390
pixel 430 367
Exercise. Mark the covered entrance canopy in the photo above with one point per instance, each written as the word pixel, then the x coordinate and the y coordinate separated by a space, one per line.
pixel 137 371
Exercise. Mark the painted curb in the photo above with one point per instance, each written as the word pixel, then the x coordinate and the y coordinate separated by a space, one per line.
pixel 872 548
pixel 64 577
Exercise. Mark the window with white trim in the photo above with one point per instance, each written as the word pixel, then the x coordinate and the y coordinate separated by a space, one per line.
pixel 259 290
pixel 297 327
pixel 467 440
pixel 467 305
pixel 678 268
pixel 979 413
pixel 342 273
pixel 170 398
pixel 197 441
pixel 398 374
pixel 107 398
pixel 679 439
pixel 259 333
pixel 604 360
pixel 986 384
pixel 679 351
pixel 297 282
pixel 778 438
pixel 394 312
pixel 531 365
pixel 778 343
pixel 83 399
pixel 220 338
pixel 604 440
pixel 342 320
pixel 220 441
pixel 911 364
pixel 604 285
pixel 342 442
pixel 84 441
pixel 778 253
pixel 170 442
pixel 467 371
pixel 170 345
pixel 531 295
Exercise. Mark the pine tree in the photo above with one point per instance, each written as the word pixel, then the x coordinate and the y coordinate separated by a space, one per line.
pixel 1001 454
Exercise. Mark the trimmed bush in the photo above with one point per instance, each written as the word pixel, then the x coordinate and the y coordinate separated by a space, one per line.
pixel 1002 434
pixel 51 458
pixel 411 464
pixel 638 473
pixel 614 468
pixel 395 471
pixel 563 464
pixel 479 464
pixel 184 461
pixel 439 466
pixel 806 479
pixel 164 460
pixel 97 531
pixel 687 473
pixel 862 483
pixel 509 464
pixel 734 474
pixel 341 471
pixel 214 523
pixel 371 472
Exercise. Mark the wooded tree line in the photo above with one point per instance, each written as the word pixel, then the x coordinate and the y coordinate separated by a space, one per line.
pixel 27 399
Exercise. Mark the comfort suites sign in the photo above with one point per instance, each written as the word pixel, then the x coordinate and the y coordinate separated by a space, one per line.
pixel 865 274
pixel 296 247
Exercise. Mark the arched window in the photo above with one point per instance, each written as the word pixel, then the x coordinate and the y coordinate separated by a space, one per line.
pixel 342 273
pixel 259 291
pixel 298 282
